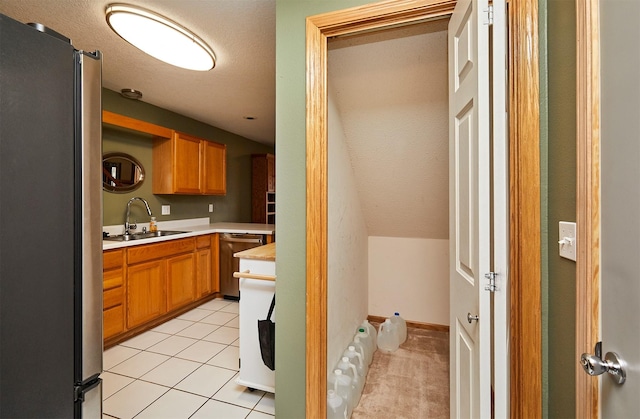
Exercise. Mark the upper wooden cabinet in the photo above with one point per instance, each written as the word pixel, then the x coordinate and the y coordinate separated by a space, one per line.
pixel 215 168
pixel 184 164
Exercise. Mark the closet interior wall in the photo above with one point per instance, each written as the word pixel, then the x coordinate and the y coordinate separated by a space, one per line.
pixel 388 212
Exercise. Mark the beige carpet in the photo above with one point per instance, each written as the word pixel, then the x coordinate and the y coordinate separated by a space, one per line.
pixel 412 382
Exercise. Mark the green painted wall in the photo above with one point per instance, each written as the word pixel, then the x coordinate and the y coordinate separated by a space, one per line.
pixel 235 206
pixel 290 183
pixel 561 206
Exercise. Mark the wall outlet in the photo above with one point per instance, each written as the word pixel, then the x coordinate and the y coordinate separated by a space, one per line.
pixel 567 240
pixel 166 209
pixel 210 207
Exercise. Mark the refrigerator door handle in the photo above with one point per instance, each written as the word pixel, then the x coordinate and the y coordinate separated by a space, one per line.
pixel 88 402
pixel 90 227
pixel 80 390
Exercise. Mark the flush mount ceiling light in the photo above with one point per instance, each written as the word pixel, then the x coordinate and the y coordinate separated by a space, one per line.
pixel 160 37
pixel 131 94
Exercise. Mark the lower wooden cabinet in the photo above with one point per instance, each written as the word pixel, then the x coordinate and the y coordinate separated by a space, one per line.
pixel 181 284
pixel 145 282
pixel 145 292
pixel 204 272
pixel 113 301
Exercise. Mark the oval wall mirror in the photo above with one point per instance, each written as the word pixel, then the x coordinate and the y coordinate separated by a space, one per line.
pixel 121 173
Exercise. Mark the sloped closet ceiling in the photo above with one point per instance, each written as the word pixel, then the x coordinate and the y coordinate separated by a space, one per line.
pixel 391 91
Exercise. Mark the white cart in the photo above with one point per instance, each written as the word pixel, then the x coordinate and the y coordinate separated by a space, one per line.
pixel 257 286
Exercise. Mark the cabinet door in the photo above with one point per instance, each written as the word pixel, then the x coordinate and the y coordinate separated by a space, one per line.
pixel 113 293
pixel 271 173
pixel 180 281
pixel 113 320
pixel 203 272
pixel 112 303
pixel 145 292
pixel 215 262
pixel 187 164
pixel 214 168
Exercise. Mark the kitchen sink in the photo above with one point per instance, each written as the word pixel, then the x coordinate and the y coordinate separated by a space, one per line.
pixel 147 235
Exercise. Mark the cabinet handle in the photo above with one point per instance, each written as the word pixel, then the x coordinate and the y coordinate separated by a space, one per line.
pixel 248 275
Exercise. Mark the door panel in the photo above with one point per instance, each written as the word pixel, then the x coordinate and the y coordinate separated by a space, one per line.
pixel 181 284
pixel 470 379
pixel 145 292
pixel 620 223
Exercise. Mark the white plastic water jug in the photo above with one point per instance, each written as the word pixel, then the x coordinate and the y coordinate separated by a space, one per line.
pixel 371 330
pixel 342 386
pixel 363 344
pixel 387 337
pixel 357 382
pixel 336 406
pixel 367 338
pixel 401 325
pixel 356 359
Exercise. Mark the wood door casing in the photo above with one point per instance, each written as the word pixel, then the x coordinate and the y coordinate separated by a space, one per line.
pixel 587 200
pixel 524 186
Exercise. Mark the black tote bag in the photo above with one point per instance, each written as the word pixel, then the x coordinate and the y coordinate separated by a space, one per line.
pixel 267 337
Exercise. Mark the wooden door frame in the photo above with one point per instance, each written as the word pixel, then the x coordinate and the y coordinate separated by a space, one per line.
pixel 524 184
pixel 587 199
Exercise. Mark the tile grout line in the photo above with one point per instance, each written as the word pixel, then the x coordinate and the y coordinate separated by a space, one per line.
pixel 201 364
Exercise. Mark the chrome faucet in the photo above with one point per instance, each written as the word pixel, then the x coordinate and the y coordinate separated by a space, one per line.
pixel 128 226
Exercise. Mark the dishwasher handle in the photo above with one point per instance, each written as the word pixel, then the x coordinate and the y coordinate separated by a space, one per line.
pixel 236 239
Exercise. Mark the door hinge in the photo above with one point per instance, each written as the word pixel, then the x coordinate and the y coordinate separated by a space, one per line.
pixel 489 15
pixel 491 276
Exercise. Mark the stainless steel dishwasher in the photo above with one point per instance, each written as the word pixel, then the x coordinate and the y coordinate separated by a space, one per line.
pixel 231 243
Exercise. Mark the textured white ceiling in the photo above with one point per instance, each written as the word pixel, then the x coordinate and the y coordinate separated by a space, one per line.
pixel 391 92
pixel 241 33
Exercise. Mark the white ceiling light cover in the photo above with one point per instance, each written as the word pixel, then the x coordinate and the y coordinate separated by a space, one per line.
pixel 160 37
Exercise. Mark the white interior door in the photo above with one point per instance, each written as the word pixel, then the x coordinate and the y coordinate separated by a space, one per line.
pixel 620 212
pixel 500 212
pixel 469 234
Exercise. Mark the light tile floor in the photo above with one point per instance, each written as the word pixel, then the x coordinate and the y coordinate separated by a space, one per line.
pixel 184 368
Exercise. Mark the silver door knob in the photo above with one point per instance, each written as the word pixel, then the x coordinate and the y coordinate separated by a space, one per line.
pixel 595 365
pixel 471 318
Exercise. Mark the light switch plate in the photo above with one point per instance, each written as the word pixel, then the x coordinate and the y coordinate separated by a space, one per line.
pixel 210 207
pixel 567 243
pixel 166 209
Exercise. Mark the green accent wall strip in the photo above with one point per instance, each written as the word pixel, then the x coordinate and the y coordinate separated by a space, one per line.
pixel 291 204
pixel 561 173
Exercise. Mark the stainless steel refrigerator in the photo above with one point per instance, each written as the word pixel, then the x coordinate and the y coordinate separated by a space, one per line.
pixel 50 225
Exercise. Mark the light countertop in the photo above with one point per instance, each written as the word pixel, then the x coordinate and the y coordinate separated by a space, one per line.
pixel 266 252
pixel 192 227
